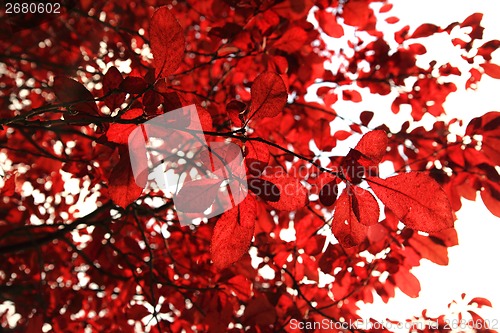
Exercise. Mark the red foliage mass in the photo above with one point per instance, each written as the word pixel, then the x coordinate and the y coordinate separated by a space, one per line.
pixel 76 84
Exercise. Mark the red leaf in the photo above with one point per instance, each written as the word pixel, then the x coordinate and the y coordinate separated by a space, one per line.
pixel 264 189
pixel 368 153
pixel 235 110
pixel 392 20
pixel 425 30
pixel 233 233
pixel 417 48
pixel 268 96
pixel 416 199
pixel 373 145
pixel 480 302
pixel 111 79
pixel 138 312
pixel 293 195
pixel 488 125
pixel 259 312
pixel 119 133
pixel 198 195
pixel 351 95
pixel 385 8
pixel 407 282
pixel 328 22
pixel 477 320
pixel 322 137
pixel 328 193
pixel 292 40
pixel 492 70
pixel 123 189
pixel 257 157
pixel 429 249
pixel 488 48
pixel 472 20
pixel 364 206
pixel 110 82
pixel 206 120
pixel 342 135
pixel 341 285
pixel 491 196
pixel 356 13
pixel 167 42
pixel 219 157
pixel 345 226
pixel 71 91
pixel 133 85
pixel 352 166
pixel 151 101
pixel 366 117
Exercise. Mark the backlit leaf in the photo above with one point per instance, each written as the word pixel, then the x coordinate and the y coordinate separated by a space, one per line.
pixel 345 225
pixel 198 195
pixel 293 195
pixel 416 199
pixel 268 96
pixel 167 42
pixel 491 69
pixel 71 91
pixel 233 233
pixel 123 189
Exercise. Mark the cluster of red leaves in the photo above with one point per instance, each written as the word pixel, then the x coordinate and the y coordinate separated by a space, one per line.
pixel 70 102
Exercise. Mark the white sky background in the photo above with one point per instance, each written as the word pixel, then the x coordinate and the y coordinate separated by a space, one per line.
pixel 473 267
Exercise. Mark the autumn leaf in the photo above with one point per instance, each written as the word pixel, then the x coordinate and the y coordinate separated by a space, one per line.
pixel 345 225
pixel 480 301
pixel 110 83
pixel 259 312
pixel 328 22
pixel 233 233
pixel 219 157
pixel 416 199
pixel 366 117
pixel 328 193
pixel 356 13
pixel 133 85
pixel 167 42
pixel 119 133
pixel 322 137
pixel 268 96
pixel 429 249
pixel 488 126
pixel 407 282
pixel 123 189
pixel 351 95
pixel 71 91
pixel 198 195
pixel 364 206
pixel 292 40
pixel 386 7
pixel 292 194
pixel 257 156
pixel 265 189
pixel 372 145
pixel 492 70
pixel 425 30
